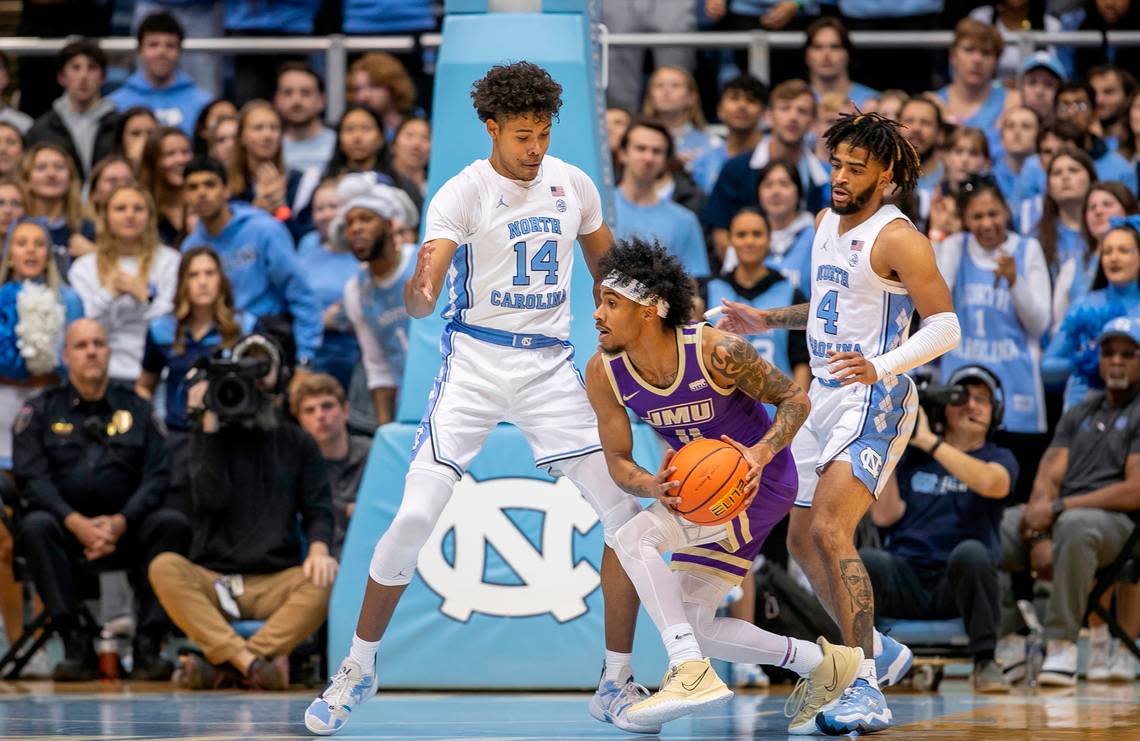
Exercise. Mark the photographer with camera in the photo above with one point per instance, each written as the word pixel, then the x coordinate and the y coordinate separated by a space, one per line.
pixel 91 462
pixel 941 516
pixel 252 475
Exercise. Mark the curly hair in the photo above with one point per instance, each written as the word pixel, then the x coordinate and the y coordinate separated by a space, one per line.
pixel 881 138
pixel 514 90
pixel 651 265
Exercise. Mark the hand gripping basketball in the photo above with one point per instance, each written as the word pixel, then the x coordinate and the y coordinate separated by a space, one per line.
pixel 662 486
pixel 755 468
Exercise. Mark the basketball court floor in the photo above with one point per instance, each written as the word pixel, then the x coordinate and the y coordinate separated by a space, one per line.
pixel 109 711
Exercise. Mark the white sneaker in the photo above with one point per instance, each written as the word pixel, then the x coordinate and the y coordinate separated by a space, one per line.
pixel 749 675
pixel 346 689
pixel 611 701
pixel 1010 656
pixel 1122 665
pixel 1060 666
pixel 1100 658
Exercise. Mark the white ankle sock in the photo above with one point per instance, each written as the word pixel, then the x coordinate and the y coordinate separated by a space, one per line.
pixel 618 667
pixel 877 648
pixel 867 672
pixel 681 644
pixel 364 653
pixel 803 656
pixel 1099 634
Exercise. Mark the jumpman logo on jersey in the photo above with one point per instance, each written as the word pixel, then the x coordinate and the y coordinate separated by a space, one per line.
pixel 502 202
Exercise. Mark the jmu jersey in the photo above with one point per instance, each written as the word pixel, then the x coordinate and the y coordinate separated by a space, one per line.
pixel 853 309
pixel 695 407
pixel 773 344
pixel 511 272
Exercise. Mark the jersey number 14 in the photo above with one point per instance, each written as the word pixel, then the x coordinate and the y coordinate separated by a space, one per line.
pixel 543 261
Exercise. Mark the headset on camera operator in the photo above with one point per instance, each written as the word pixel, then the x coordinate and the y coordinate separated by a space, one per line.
pixel 941 515
pixel 252 473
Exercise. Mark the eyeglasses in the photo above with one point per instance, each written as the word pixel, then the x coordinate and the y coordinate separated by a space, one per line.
pixel 1069 107
pixel 11 204
pixel 1122 354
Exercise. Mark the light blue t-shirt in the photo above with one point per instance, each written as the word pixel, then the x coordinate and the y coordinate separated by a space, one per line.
pixel 671 224
pixel 309 154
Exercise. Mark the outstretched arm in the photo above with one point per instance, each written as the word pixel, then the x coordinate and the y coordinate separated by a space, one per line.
pixel 432 262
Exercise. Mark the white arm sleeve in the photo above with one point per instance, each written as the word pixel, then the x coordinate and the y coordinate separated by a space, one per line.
pixel 377 369
pixel 1031 293
pixel 937 335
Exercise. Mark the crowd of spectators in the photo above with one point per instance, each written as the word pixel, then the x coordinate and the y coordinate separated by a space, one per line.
pixel 198 204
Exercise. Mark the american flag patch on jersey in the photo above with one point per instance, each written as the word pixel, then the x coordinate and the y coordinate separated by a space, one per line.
pixel 856 245
pixel 557 191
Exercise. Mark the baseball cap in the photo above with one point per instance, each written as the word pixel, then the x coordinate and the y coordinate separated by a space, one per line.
pixel 1046 60
pixel 1121 326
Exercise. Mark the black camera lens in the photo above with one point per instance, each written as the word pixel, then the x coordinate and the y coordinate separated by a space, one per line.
pixel 231 393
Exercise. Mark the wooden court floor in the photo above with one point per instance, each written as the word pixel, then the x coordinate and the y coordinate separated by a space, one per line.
pixel 31 710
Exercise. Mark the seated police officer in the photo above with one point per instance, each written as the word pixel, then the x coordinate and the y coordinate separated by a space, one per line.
pixel 941 513
pixel 252 475
pixel 92 464
pixel 1077 518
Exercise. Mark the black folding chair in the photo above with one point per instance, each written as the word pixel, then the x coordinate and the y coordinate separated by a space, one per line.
pixel 1124 569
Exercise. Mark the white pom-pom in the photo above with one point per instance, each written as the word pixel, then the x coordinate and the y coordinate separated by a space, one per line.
pixel 40 327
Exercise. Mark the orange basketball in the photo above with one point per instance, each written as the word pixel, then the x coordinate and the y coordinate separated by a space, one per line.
pixel 712 475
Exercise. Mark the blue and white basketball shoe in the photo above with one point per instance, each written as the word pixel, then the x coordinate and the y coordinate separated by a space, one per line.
pixel 610 703
pixel 893 663
pixel 346 689
pixel 861 709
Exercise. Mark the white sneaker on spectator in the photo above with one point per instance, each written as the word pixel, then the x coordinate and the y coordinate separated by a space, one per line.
pixel 1010 656
pixel 1060 666
pixel 1122 666
pixel 749 675
pixel 1100 654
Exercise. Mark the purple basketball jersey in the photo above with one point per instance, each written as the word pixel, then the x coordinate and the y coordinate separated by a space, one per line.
pixel 695 407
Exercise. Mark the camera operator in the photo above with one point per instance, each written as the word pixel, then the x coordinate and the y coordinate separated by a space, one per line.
pixel 252 474
pixel 941 512
pixel 92 463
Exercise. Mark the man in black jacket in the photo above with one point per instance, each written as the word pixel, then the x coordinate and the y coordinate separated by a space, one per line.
pixel 80 120
pixel 91 462
pixel 250 480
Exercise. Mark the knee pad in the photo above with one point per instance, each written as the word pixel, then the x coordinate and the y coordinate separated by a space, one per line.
pixel 592 477
pixel 641 531
pixel 426 492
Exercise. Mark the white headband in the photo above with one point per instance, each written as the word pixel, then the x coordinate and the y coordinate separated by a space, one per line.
pixel 635 291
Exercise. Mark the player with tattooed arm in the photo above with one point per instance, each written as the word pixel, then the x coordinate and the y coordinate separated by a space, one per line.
pixel 871 269
pixel 650 361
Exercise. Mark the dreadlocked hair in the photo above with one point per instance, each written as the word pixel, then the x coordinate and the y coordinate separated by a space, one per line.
pixel 651 265
pixel 880 136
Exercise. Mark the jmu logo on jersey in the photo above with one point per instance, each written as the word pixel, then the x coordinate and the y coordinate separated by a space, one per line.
pixel 680 414
pixel 546 578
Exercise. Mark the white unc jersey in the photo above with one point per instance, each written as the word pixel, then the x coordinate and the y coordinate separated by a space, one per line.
pixel 511 271
pixel 852 307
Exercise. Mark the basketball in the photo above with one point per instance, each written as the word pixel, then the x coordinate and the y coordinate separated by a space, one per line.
pixel 712 475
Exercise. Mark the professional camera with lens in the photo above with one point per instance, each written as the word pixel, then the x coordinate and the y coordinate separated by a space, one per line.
pixel 232 392
pixel 236 389
pixel 934 398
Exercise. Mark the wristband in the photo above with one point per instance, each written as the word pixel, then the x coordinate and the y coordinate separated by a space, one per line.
pixel 935 446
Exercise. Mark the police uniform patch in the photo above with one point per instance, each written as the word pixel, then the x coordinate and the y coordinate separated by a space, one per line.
pixel 62 428
pixel 23 419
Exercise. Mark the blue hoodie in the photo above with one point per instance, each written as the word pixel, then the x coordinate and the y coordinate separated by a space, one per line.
pixel 177 104
pixel 258 257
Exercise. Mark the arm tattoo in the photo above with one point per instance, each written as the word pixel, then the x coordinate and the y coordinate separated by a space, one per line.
pixel 791 317
pixel 858 587
pixel 738 361
pixel 629 483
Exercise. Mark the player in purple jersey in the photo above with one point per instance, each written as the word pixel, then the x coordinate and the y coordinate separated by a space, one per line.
pixel 690 381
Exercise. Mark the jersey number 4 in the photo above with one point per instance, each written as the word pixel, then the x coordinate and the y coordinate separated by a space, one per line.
pixel 543 261
pixel 828 311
